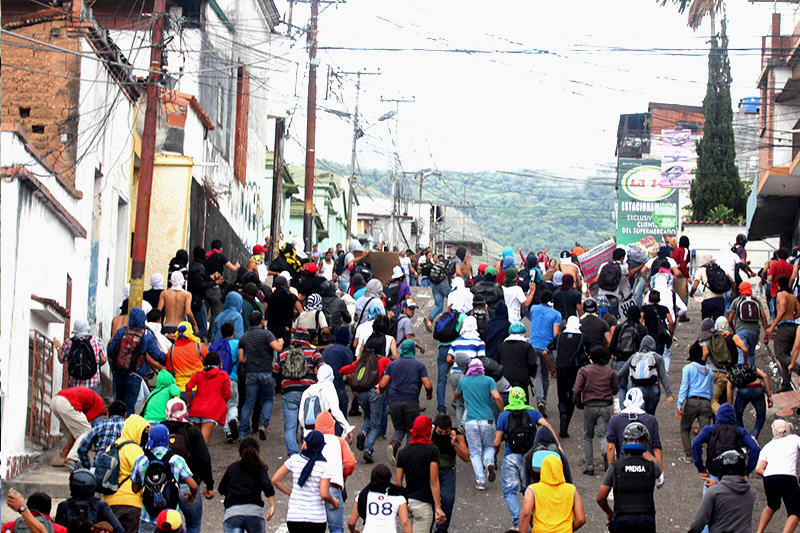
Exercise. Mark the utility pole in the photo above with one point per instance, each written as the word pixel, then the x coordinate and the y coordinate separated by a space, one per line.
pixel 396 170
pixel 142 225
pixel 277 181
pixel 311 128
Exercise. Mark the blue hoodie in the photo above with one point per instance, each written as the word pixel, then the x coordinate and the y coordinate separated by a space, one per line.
pixel 136 319
pixel 696 380
pixel 232 313
pixel 725 415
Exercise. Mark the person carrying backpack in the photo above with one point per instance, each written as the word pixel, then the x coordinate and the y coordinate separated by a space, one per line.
pixel 625 342
pixel 104 434
pixel 440 287
pixel 396 291
pixel 34 514
pixel 82 503
pixel 208 403
pixel 571 348
pixel 751 386
pixel 516 425
pixel 728 505
pixel 747 316
pixel 321 397
pixel 612 280
pixel 645 370
pixel 721 437
pixel 83 354
pixel 720 353
pixel 716 282
pixel 156 474
pixel 154 408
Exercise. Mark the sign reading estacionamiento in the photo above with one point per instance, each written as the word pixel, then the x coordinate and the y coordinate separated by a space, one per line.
pixel 646 211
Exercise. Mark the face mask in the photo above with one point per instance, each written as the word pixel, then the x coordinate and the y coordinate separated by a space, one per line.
pixel 441 441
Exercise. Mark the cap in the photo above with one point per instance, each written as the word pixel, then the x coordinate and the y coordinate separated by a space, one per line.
pixel 410 304
pixel 258 249
pixel 482 268
pixel 590 305
pixel 706 329
pixel 397 272
pixel 311 267
pixel 169 520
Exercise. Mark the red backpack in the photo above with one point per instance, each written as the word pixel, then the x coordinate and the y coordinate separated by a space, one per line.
pixel 130 351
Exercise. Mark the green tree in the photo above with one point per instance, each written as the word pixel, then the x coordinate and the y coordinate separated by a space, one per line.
pixel 717 181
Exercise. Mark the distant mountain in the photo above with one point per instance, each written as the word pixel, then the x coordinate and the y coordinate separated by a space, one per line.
pixel 534 209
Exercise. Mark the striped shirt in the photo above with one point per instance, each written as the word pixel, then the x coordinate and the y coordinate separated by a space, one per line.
pixel 463 349
pixel 100 356
pixel 313 359
pixel 305 503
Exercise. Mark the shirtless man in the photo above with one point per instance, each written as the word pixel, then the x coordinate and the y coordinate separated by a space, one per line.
pixel 176 304
pixel 567 266
pixel 784 327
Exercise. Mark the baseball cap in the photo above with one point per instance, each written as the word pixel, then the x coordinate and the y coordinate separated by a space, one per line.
pixel 397 272
pixel 258 249
pixel 311 267
pixel 169 520
pixel 410 304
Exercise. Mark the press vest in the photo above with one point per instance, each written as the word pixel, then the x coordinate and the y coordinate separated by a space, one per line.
pixel 634 482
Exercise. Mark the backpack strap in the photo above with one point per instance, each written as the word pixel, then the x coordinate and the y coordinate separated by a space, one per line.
pixel 169 353
pixel 199 352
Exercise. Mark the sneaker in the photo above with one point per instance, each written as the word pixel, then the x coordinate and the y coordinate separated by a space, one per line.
pixel 490 472
pixel 588 471
pixel 262 432
pixel 428 324
pixel 540 408
pixel 229 437
pixel 233 425
pixel 481 486
pixel 360 440
pixel 688 459
pixel 368 458
pixel 391 451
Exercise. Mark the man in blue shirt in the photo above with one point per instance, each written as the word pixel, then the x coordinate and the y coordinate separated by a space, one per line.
pixel 694 398
pixel 545 325
pixel 103 434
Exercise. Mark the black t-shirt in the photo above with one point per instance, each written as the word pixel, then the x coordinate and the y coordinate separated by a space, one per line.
pixel 311 285
pixel 594 329
pixel 415 460
pixel 216 263
pixel 259 354
pixel 566 302
pixel 652 314
pixel 280 311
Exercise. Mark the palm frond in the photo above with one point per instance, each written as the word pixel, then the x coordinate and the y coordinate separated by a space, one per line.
pixel 699 9
pixel 682 4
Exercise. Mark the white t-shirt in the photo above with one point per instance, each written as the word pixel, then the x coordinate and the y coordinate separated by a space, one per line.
pixel 363 332
pixel 649 264
pixel 333 456
pixel 405 262
pixel 781 456
pixel 305 504
pixel 326 269
pixel 514 297
pixel 382 512
pixel 702 277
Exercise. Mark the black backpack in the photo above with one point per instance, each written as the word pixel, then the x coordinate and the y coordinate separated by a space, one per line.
pixel 718 281
pixel 160 489
pixel 438 272
pixel 394 322
pixel 481 315
pixel 392 292
pixel 524 279
pixel 179 443
pixel 610 276
pixel 520 432
pixel 81 363
pixel 446 327
pixel 628 341
pixel 724 437
pixel 363 268
pixel 338 267
pixel 77 509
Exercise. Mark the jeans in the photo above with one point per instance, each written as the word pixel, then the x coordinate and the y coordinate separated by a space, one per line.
pixel 453 380
pixel 634 523
pixel 750 338
pixel 728 301
pixel 623 383
pixel 755 396
pixel 126 389
pixel 372 404
pixel 192 512
pixel 258 382
pixel 783 340
pixel 595 424
pixel 442 368
pixel 344 286
pixel 513 477
pixel 421 516
pixel 403 415
pixel 541 381
pixel 425 282
pixel 667 355
pixel 447 491
pixel 480 435
pixel 383 421
pixel 440 292
pixel 344 401
pixel 201 317
pixel 240 524
pixel 638 289
pixel 565 380
pixel 712 308
pixel 290 402
pixel 233 406
pixel 335 516
pixel 694 408
pixel 147 527
pixel 651 394
pixel 214 303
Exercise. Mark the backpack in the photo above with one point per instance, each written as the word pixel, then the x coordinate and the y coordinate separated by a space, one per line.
pixel 394 322
pixel 450 269
pixel 446 327
pixel 610 276
pixel 82 363
pixel 21 527
pixel 524 279
pixel 646 370
pixel 481 315
pixel 130 351
pixel 160 489
pixel 311 408
pixel 658 264
pixel 748 309
pixel 77 509
pixel 438 272
pixel 742 375
pixel 392 292
pixel 722 350
pixel 295 365
pixel 718 281
pixel 106 469
pixel 339 265
pixel 537 457
pixel 365 376
pixel 364 269
pixel 520 432
pixel 628 342
pixel 179 443
pixel 723 438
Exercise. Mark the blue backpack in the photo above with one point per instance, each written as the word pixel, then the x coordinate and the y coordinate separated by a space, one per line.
pixel 446 327
pixel 311 408
pixel 223 348
pixel 106 469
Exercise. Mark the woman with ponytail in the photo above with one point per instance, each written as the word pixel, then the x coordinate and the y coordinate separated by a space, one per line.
pixel 242 485
pixel 208 405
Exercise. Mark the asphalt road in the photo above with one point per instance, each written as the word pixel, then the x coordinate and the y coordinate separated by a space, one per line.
pixel 676 502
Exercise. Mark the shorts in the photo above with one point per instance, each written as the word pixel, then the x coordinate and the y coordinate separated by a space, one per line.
pixel 783 487
pixel 166 329
pixel 200 420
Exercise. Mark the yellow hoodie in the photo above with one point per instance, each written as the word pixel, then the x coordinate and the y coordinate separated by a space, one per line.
pixel 133 428
pixel 554 498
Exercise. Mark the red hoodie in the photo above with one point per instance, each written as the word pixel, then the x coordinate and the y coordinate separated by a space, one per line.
pixel 213 390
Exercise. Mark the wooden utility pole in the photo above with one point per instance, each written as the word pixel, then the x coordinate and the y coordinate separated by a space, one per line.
pixel 311 127
pixel 396 169
pixel 142 224
pixel 277 181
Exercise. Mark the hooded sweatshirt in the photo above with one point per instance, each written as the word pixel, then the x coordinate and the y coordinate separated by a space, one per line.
pixel 232 313
pixel 132 430
pixel 727 507
pixel 155 409
pixel 213 391
pixel 325 392
pixel 327 426
pixel 647 348
pixel 545 439
pixel 496 330
pixel 136 319
pixel 725 415
pixel 184 359
pixel 696 380
pixel 554 499
pixel 518 359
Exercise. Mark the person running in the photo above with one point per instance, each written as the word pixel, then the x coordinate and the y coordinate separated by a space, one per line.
pixel 783 332
pixel 545 325
pixel 198 282
pixel 83 503
pixel 462 350
pixel 418 464
pixel 496 331
pixel 250 303
pixel 231 313
pixel 514 297
pixel 751 386
pixel 554 505
pixel 452 444
pixel 283 307
pixel 694 397
pixel 380 504
pixel 489 289
pixel 242 486
pixel 313 319
pixel 34 514
pixel 310 490
pixel 567 299
pixel 518 358
pixel 634 477
pixel 405 330
pixel 728 504
pixel 125 503
pixel 612 280
pixel 660 325
pixel 319 398
pixel 722 436
pixel 186 356
pixel 154 408
pixel 571 349
pixel 103 435
pixel 777 463
pixel 625 342
pixel 645 370
pixel 341 464
pixel 228 349
pixel 404 378
pixel 76 407
pixel 339 355
pixel 633 411
pixel 748 317
pixel 517 425
pixel 596 331
pixel 176 304
pixel 545 443
pixel 594 391
pixel 397 290
pixel 720 350
pixel 208 405
pixel 716 282
pixel 84 355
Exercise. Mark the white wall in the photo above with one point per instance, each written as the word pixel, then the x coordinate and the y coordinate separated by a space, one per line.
pixel 711 238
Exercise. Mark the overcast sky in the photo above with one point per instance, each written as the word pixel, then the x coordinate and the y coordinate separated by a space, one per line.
pixel 554 110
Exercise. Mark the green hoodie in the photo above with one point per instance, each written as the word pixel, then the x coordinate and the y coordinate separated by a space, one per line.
pixel 155 409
